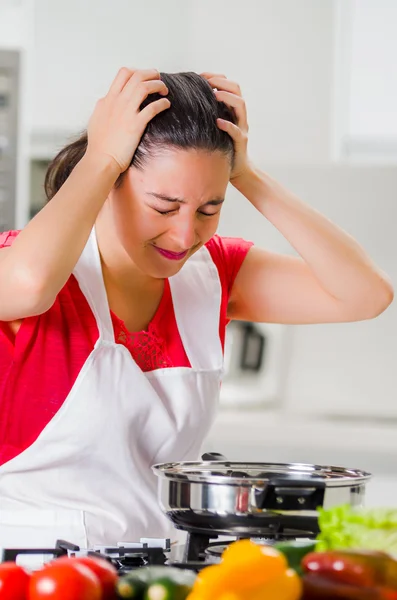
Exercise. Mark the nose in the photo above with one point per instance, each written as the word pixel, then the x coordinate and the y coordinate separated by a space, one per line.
pixel 183 232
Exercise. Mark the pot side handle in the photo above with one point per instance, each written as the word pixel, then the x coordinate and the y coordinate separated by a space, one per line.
pixel 285 493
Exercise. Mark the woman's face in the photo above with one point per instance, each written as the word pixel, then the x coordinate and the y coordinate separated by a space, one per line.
pixel 166 211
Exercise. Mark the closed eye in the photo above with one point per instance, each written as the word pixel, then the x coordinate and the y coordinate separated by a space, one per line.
pixel 169 212
pixel 165 212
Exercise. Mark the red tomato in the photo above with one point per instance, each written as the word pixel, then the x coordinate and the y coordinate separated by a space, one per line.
pixel 65 581
pixel 103 569
pixel 14 582
pixel 337 567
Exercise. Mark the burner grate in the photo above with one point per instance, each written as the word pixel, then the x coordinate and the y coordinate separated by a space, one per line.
pixel 125 557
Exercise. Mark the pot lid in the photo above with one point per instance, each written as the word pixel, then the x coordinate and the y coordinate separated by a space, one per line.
pixel 248 473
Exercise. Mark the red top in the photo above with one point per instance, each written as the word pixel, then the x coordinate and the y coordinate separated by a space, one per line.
pixel 39 365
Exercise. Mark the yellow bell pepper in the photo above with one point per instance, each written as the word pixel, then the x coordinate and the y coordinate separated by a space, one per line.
pixel 286 587
pixel 248 571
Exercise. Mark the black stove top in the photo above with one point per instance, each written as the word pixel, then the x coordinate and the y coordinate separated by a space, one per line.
pixel 202 548
pixel 204 545
pixel 125 557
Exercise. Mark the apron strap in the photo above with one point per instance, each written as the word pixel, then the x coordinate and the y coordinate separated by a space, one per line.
pixel 196 294
pixel 88 272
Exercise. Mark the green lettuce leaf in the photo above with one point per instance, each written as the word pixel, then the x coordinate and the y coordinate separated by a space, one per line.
pixel 363 528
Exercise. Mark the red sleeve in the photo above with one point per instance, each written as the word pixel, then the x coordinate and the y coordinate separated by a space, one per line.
pixel 6 239
pixel 228 255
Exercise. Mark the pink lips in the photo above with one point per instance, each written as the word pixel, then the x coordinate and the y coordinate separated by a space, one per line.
pixel 171 255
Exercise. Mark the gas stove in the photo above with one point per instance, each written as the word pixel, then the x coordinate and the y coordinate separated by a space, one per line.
pixel 203 547
pixel 124 556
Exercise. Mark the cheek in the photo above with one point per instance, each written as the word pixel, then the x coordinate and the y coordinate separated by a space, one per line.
pixel 207 228
pixel 135 222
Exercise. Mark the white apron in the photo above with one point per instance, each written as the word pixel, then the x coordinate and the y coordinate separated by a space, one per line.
pixel 87 477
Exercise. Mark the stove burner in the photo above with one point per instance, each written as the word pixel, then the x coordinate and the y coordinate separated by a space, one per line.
pixel 248 525
pixel 273 529
pixel 216 549
pixel 126 559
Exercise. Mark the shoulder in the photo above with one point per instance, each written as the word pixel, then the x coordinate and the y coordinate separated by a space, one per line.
pixel 71 286
pixel 228 254
pixel 7 238
pixel 227 248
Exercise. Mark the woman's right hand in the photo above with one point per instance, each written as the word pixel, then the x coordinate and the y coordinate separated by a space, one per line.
pixel 117 125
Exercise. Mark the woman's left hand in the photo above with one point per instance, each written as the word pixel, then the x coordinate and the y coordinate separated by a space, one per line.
pixel 229 92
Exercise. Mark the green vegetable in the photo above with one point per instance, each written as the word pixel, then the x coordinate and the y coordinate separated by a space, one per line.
pixel 294 551
pixel 156 583
pixel 166 589
pixel 131 587
pixel 347 527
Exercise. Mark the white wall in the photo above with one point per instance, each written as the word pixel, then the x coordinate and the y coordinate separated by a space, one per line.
pixel 80 46
pixel 280 51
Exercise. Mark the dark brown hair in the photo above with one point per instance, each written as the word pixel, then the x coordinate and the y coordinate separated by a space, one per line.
pixel 190 123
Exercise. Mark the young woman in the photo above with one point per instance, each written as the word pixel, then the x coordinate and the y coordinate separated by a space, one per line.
pixel 114 301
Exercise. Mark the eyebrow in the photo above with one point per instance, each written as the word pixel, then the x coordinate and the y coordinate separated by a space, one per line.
pixel 214 202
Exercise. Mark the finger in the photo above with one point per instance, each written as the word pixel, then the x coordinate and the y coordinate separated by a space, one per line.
pixel 122 77
pixel 148 87
pixel 145 74
pixel 138 77
pixel 238 104
pixel 233 130
pixel 153 109
pixel 208 75
pixel 225 85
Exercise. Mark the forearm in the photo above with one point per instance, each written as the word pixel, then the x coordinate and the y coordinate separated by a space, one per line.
pixel 338 262
pixel 44 254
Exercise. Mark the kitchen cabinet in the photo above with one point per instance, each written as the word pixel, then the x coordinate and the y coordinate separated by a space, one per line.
pixel 15 55
pixel 9 101
pixel 366 86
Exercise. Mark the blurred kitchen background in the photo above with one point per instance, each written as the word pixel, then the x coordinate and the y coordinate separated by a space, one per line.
pixel 320 82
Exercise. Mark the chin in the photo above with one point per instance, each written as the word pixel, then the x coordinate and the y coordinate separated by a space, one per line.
pixel 162 268
pixel 163 271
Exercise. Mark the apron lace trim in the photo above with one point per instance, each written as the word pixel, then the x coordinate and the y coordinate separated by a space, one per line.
pixel 147 348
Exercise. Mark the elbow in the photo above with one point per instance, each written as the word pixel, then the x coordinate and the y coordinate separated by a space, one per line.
pixel 26 296
pixel 371 302
pixel 386 297
pixel 38 297
pixel 379 296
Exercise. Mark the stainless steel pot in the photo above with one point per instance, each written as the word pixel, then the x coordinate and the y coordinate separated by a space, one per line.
pixel 224 496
